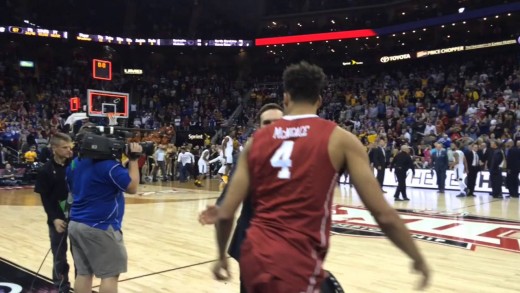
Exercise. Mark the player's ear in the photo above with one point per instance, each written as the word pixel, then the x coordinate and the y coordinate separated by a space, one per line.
pixel 286 99
pixel 320 101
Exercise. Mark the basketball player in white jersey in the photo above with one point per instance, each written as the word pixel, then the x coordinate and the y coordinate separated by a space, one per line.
pixel 185 160
pixel 227 148
pixel 222 170
pixel 203 166
pixel 459 166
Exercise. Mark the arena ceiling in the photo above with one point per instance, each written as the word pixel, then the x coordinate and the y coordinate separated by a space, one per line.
pixel 225 18
pixel 250 19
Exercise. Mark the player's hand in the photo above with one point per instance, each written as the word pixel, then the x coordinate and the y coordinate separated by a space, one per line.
pixel 209 215
pixel 60 225
pixel 221 270
pixel 422 268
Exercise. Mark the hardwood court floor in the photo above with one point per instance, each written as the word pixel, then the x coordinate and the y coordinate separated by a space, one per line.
pixel 170 252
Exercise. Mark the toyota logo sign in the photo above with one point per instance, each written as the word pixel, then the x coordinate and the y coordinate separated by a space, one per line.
pixel 385 59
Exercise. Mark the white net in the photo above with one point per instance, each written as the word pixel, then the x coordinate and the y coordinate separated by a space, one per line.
pixel 112 119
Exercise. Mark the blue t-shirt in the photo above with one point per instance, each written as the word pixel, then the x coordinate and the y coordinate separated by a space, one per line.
pixel 97 189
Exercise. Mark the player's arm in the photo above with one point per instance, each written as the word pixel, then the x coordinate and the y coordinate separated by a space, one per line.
pixel 224 142
pixel 364 181
pixel 215 159
pixel 456 157
pixel 235 195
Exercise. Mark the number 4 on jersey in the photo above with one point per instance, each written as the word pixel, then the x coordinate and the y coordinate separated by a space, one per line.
pixel 282 159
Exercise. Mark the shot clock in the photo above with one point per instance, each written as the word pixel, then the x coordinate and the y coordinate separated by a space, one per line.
pixel 101 69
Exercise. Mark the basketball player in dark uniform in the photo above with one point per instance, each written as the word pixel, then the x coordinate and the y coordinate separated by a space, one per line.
pixel 268 114
pixel 291 174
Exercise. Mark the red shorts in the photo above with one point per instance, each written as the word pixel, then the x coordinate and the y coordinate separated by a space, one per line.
pixel 279 271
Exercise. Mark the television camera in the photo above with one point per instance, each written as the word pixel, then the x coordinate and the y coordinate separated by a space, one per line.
pixel 107 143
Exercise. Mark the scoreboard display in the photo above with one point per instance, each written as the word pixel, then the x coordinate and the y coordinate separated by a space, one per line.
pixel 164 42
pixel 38 32
pixel 101 69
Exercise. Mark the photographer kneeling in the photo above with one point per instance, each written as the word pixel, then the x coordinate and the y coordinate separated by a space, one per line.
pixel 97 185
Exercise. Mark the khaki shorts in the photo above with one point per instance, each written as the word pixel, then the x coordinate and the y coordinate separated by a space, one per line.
pixel 97 252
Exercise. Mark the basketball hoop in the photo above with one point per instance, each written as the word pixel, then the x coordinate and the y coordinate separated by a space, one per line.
pixel 112 119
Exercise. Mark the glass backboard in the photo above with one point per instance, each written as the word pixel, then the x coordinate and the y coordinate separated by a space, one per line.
pixel 99 103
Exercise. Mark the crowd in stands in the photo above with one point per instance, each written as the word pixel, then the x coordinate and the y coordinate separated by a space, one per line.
pixel 446 102
pixel 33 112
pixel 34 104
pixel 418 105
pixel 185 101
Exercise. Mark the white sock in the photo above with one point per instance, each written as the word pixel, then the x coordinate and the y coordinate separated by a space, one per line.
pixel 462 186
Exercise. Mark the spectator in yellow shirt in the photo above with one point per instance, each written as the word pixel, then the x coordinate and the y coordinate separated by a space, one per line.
pixel 475 95
pixel 31 156
pixel 372 137
pixel 419 94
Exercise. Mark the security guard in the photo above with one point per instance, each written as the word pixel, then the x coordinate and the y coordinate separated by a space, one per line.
pixel 52 187
pixel 401 163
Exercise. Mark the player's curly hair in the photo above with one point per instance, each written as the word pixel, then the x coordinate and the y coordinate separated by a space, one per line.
pixel 304 82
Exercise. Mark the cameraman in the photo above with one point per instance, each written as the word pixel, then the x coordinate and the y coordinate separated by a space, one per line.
pixel 96 217
pixel 52 187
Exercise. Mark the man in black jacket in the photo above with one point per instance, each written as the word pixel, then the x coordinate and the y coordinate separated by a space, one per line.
pixel 379 160
pixel 52 187
pixel 473 159
pixel 495 169
pixel 440 164
pixel 402 163
pixel 268 114
pixel 512 167
pixel 484 155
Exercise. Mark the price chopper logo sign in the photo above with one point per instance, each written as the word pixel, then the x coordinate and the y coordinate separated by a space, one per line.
pixel 456 230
